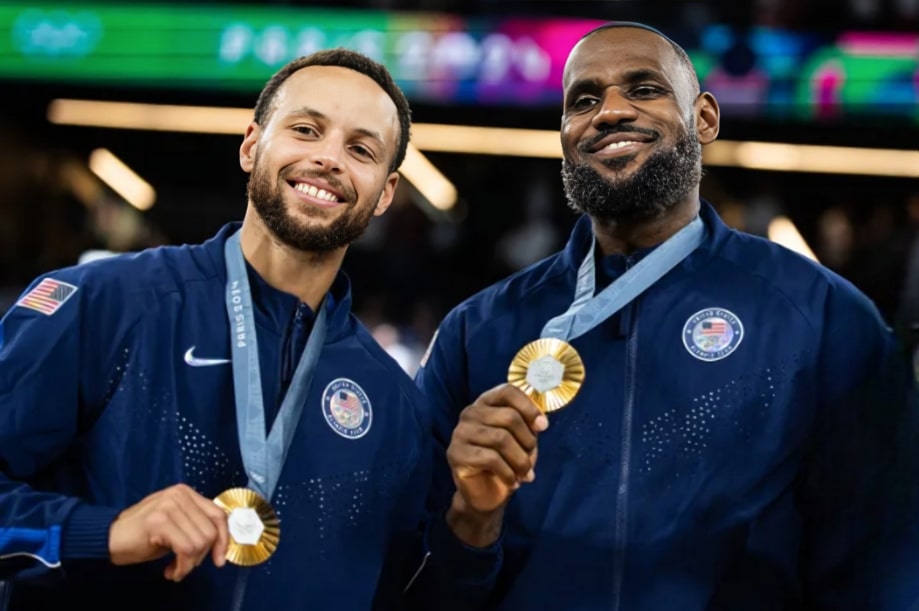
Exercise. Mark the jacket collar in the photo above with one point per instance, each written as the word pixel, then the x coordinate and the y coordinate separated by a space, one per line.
pixel 582 235
pixel 269 299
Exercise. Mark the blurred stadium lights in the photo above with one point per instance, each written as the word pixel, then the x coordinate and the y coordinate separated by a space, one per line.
pixel 783 231
pixel 155 117
pixel 496 141
pixel 428 180
pixel 417 169
pixel 817 159
pixel 122 179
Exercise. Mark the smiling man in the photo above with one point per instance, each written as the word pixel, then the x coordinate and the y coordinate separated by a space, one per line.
pixel 720 424
pixel 209 426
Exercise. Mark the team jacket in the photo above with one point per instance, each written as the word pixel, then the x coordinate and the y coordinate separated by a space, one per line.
pixel 115 383
pixel 745 438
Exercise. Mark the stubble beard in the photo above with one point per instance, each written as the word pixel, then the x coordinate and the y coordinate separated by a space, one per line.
pixel 269 203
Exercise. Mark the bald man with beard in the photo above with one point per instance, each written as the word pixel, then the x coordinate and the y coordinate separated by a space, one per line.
pixel 740 431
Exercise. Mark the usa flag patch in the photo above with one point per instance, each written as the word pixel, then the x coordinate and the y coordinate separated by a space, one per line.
pixel 48 296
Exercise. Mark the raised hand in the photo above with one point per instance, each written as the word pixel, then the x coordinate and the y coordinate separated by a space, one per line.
pixel 492 452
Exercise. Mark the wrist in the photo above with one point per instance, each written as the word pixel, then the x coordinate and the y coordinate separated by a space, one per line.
pixel 86 532
pixel 473 527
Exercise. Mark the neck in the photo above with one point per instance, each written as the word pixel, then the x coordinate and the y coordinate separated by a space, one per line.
pixel 306 275
pixel 625 236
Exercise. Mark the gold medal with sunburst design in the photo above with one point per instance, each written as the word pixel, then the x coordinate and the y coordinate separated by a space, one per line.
pixel 549 371
pixel 254 527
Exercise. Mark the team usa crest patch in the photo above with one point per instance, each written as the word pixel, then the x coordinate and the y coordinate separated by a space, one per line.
pixel 346 408
pixel 47 296
pixel 712 334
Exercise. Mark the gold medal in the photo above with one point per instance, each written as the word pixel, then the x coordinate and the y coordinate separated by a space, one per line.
pixel 549 371
pixel 254 527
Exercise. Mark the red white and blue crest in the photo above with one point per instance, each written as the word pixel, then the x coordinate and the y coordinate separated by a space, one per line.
pixel 346 408
pixel 712 334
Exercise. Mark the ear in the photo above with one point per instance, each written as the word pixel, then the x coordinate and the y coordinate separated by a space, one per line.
pixel 708 117
pixel 389 189
pixel 248 147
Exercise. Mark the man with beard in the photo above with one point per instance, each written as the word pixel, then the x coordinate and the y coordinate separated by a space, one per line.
pixel 209 426
pixel 719 422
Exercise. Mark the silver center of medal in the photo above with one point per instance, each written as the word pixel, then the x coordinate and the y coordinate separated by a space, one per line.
pixel 545 373
pixel 245 525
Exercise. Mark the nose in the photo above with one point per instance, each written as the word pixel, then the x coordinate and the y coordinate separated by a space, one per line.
pixel 326 153
pixel 614 109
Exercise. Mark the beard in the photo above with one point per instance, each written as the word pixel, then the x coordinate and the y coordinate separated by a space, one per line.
pixel 269 203
pixel 665 179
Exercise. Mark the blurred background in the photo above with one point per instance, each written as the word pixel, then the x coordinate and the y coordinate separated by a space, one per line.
pixel 121 124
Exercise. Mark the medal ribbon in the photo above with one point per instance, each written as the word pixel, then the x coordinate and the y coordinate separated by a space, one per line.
pixel 263 457
pixel 589 310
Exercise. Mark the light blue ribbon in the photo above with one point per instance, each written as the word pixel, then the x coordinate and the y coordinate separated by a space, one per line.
pixel 263 456
pixel 589 310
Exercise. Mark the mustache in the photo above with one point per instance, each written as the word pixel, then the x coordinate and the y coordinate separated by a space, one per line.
pixel 584 147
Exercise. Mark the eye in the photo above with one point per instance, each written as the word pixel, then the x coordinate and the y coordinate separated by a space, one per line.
pixel 582 102
pixel 306 130
pixel 362 150
pixel 646 91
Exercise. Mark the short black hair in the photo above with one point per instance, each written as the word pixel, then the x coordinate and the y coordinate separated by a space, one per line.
pixel 343 58
pixel 681 53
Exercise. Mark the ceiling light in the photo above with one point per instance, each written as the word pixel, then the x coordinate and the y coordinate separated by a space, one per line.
pixel 122 179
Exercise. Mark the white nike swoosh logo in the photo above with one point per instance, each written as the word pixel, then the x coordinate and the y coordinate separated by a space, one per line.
pixel 191 359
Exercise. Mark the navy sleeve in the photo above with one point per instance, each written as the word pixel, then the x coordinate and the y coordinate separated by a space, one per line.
pixel 40 369
pixel 859 493
pixel 453 575
pixel 404 554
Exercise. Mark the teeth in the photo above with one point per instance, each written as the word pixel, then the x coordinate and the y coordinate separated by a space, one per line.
pixel 314 192
pixel 619 145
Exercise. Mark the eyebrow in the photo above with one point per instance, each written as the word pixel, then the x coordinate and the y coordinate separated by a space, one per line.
pixel 306 111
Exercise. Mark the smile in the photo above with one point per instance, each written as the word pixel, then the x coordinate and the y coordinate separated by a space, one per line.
pixel 619 149
pixel 312 191
pixel 619 145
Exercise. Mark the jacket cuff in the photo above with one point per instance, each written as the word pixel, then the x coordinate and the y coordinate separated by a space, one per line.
pixel 465 564
pixel 86 532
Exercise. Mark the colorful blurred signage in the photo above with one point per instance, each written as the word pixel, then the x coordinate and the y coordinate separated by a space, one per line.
pixel 440 58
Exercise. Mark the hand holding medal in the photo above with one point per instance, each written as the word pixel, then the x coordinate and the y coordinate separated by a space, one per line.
pixel 549 371
pixel 494 446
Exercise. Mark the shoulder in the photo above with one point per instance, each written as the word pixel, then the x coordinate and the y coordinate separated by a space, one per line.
pixel 155 270
pixel 118 289
pixel 383 365
pixel 809 286
pixel 495 303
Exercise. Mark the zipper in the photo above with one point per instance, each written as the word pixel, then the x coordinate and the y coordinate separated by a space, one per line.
pixel 292 345
pixel 239 592
pixel 622 493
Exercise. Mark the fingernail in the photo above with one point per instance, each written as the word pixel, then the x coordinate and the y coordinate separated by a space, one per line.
pixel 542 423
pixel 531 475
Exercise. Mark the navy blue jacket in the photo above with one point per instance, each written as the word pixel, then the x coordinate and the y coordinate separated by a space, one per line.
pixel 99 408
pixel 745 438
